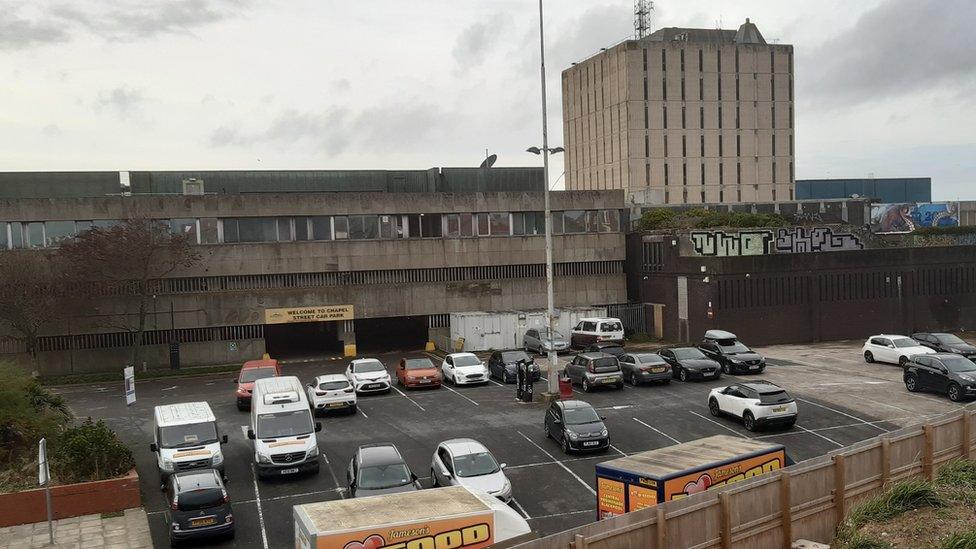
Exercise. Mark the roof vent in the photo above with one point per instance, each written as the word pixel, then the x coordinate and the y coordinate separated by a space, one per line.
pixel 281 398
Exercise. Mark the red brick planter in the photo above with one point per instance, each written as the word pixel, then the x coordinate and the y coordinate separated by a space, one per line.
pixel 71 500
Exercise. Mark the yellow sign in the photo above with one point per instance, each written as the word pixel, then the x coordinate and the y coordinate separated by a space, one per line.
pixel 308 314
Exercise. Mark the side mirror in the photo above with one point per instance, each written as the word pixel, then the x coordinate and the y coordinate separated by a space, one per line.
pixel 318 427
pixel 223 439
pixel 250 434
pixel 556 420
pixel 503 465
pixel 413 477
pixel 153 447
pixel 234 380
pixel 603 418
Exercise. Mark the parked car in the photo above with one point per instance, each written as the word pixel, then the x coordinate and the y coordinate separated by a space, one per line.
pixel 417 372
pixel 576 426
pixel 947 373
pixel 464 369
pixel 593 330
pixel 757 403
pixel 640 368
pixel 537 341
pixel 945 343
pixel 503 365
pixel 379 469
pixel 251 371
pixel 734 357
pixel 330 393
pixel 466 462
pixel 690 363
pixel 591 370
pixel 198 506
pixel 368 375
pixel 894 349
pixel 283 429
pixel 607 347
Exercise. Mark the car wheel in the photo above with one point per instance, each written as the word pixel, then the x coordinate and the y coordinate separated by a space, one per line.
pixel 545 430
pixel 666 382
pixel 586 386
pixel 911 383
pixel 352 409
pixel 726 369
pixel 868 357
pixel 633 379
pixel 566 448
pixel 790 424
pixel 683 375
pixel 620 385
pixel 433 479
pixel 749 421
pixel 954 393
pixel 902 360
pixel 713 407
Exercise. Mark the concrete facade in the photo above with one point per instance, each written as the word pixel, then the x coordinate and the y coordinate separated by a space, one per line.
pixel 683 116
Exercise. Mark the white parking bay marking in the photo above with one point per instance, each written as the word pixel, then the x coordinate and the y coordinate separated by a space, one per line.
pixel 557 462
pixel 359 408
pixel 404 395
pixel 495 382
pixel 460 395
pixel 520 509
pixel 615 449
pixel 244 429
pixel 844 414
pixel 830 440
pixel 731 430
pixel 257 501
pixel 669 437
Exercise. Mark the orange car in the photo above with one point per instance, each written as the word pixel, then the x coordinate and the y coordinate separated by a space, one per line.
pixel 417 372
pixel 253 370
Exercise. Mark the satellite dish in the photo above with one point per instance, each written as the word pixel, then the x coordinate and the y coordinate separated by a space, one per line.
pixel 490 161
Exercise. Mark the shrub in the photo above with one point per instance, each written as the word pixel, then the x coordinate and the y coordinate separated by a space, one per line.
pixel 899 498
pixel 945 230
pixel 658 218
pixel 27 412
pixel 90 451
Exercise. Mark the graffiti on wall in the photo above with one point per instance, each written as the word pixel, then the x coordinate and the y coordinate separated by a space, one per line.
pixel 789 240
pixel 905 218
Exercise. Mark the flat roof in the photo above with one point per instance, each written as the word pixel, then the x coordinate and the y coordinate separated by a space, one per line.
pixel 689 455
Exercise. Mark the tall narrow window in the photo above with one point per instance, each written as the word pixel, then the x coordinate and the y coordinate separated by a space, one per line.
pixel 772 88
pixel 721 174
pixel 665 146
pixel 647 173
pixel 702 142
pixel 738 173
pixel 721 149
pixel 647 146
pixel 682 87
pixel 683 117
pixel 772 142
pixel 738 145
pixel 664 89
pixel 719 52
pixel 682 60
pixel 684 173
pixel 772 60
pixel 645 88
pixel 703 179
pixel 789 58
pixel 791 116
pixel 664 60
pixel 701 62
pixel 791 173
pixel 774 173
pixel 736 60
pixel 684 145
pixel 772 114
pixel 791 88
pixel 720 117
pixel 646 126
pixel 665 117
pixel 721 192
pixel 666 175
pixel 701 88
pixel 720 87
pixel 737 117
pixel 701 117
pixel 645 59
pixel 791 145
pixel 737 87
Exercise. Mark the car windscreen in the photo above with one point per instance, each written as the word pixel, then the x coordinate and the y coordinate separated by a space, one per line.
pixel 579 416
pixel 602 365
pixel 184 436
pixel 201 498
pixel 556 336
pixel 611 327
pixel 377 477
pixel 475 465
pixel 418 364
pixel 368 366
pixel 250 375
pixel 650 359
pixel 902 342
pixel 467 360
pixel 774 397
pixel 687 353
pixel 949 339
pixel 514 356
pixel 958 364
pixel 731 346
pixel 284 424
pixel 333 385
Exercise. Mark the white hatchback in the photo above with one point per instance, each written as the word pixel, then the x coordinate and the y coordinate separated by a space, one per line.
pixel 331 392
pixel 757 403
pixel 464 368
pixel 466 462
pixel 894 349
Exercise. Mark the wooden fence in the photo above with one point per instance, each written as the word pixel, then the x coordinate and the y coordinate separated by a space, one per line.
pixel 803 501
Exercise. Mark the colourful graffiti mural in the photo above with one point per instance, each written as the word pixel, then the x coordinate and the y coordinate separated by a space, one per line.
pixel 788 240
pixel 905 218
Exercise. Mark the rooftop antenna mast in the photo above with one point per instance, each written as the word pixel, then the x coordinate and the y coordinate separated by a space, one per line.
pixel 642 17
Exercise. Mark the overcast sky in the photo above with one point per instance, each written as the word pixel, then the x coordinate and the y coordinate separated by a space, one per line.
pixel 882 87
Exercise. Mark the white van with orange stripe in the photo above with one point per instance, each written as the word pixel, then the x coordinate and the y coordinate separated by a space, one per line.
pixel 185 437
pixel 282 428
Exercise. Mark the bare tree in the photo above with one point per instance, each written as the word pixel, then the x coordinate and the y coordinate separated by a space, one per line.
pixel 32 296
pixel 132 257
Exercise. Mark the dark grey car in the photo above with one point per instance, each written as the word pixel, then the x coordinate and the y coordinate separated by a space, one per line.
pixel 640 368
pixel 198 506
pixel 945 373
pixel 537 341
pixel 945 343
pixel 690 363
pixel 734 357
pixel 591 370
pixel 379 469
pixel 576 426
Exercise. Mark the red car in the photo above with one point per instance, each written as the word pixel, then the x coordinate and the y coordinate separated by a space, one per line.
pixel 417 372
pixel 253 370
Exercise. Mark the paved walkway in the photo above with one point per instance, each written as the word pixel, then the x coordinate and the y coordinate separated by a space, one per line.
pixel 129 530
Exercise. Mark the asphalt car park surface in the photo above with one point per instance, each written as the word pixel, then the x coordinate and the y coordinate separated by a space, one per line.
pixel 552 490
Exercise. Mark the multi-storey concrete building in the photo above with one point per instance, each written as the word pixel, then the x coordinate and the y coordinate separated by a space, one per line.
pixel 683 116
pixel 390 265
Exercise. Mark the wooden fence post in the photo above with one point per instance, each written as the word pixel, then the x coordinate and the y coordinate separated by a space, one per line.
pixel 840 488
pixel 885 461
pixel 785 509
pixel 726 520
pixel 967 440
pixel 927 469
pixel 579 542
pixel 662 529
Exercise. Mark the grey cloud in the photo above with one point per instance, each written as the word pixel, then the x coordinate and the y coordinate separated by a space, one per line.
pixel 123 101
pixel 897 48
pixel 341 85
pixel 226 136
pixel 17 32
pixel 477 40
pixel 597 27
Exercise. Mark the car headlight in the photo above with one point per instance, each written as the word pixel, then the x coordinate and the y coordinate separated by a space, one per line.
pixel 573 436
pixel 263 458
pixel 218 458
pixel 313 451
pixel 167 465
pixel 604 433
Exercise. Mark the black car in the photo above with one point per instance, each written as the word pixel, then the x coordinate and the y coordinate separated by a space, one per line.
pixel 379 469
pixel 645 368
pixel 503 365
pixel 690 363
pixel 198 506
pixel 947 373
pixel 726 349
pixel 576 426
pixel 608 347
pixel 945 343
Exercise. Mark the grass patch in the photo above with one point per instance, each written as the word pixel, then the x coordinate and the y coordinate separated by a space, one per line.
pixel 861 541
pixel 896 500
pixel 75 379
pixel 113 514
pixel 959 473
pixel 965 540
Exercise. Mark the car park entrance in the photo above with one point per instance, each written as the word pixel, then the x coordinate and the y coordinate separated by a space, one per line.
pixel 378 335
pixel 302 339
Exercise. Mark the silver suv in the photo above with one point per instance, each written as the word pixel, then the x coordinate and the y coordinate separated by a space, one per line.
pixel 592 370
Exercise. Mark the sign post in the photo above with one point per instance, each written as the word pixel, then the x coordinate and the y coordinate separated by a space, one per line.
pixel 44 479
pixel 130 385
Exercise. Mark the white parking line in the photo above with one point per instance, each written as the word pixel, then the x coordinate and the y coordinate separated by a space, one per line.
pixel 557 462
pixel 459 394
pixel 359 408
pixel 832 441
pixel 726 427
pixel 257 501
pixel 615 449
pixel 404 395
pixel 565 514
pixel 844 414
pixel 495 382
pixel 518 506
pixel 669 437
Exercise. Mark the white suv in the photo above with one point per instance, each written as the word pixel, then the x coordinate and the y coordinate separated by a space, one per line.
pixel 758 403
pixel 464 368
pixel 894 349
pixel 368 375
pixel 331 392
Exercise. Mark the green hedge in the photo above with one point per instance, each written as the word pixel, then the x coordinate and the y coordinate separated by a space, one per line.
pixel 701 218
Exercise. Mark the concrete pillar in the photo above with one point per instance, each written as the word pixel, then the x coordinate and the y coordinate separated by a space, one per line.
pixel 347 333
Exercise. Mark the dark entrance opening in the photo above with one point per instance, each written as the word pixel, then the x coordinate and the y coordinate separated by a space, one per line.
pixel 302 339
pixel 376 335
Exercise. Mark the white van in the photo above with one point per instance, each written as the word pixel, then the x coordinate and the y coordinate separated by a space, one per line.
pixel 596 330
pixel 185 437
pixel 282 428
